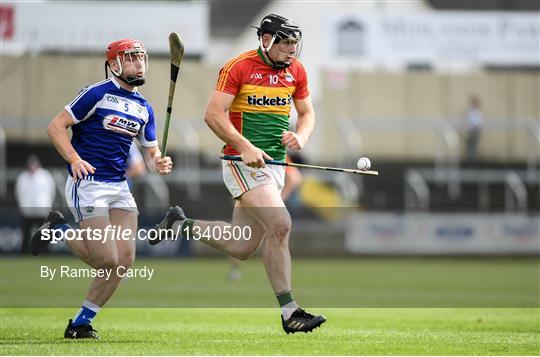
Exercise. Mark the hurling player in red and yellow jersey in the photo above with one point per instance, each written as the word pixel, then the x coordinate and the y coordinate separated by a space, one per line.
pixel 249 110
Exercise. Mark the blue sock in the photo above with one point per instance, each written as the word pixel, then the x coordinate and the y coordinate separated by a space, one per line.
pixel 86 314
pixel 62 226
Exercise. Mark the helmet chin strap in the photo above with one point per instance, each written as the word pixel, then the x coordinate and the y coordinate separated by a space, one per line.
pixel 132 81
pixel 276 65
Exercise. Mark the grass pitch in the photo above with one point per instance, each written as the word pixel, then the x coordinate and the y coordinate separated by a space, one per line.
pixel 178 331
pixel 344 283
pixel 452 307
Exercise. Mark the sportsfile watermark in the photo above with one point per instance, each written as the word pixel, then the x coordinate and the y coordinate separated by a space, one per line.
pixel 340 257
pixel 118 233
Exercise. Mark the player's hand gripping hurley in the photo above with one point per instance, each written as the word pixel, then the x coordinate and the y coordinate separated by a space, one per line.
pixel 281 163
pixel 177 52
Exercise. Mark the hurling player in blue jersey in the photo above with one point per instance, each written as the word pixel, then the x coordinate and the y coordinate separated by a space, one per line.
pixel 104 118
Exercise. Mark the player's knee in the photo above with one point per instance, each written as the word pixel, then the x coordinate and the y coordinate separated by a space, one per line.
pixel 280 230
pixel 107 261
pixel 126 260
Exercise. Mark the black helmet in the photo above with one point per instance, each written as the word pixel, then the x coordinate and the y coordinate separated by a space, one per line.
pixel 279 26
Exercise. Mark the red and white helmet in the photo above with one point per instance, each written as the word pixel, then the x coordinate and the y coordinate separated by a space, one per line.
pixel 127 49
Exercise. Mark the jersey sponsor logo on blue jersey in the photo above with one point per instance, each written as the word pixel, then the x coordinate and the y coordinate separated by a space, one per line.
pixel 121 125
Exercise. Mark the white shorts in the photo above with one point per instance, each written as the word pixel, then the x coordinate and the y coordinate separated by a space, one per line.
pixel 240 178
pixel 89 199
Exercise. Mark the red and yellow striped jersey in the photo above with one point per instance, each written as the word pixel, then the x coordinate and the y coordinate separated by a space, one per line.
pixel 263 97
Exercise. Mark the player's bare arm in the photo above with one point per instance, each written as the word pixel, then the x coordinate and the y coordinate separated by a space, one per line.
pixel 155 162
pixel 304 126
pixel 58 133
pixel 216 118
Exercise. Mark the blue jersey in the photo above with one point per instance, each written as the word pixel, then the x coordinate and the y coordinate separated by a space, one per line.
pixel 107 118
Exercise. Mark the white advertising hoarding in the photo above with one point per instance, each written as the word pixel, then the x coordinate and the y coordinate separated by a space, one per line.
pixel 32 27
pixel 434 233
pixel 470 37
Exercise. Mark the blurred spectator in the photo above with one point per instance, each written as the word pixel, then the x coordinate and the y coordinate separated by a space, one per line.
pixel 293 180
pixel 474 118
pixel 135 164
pixel 34 191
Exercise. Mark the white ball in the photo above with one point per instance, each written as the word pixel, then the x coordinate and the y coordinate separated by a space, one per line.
pixel 363 163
